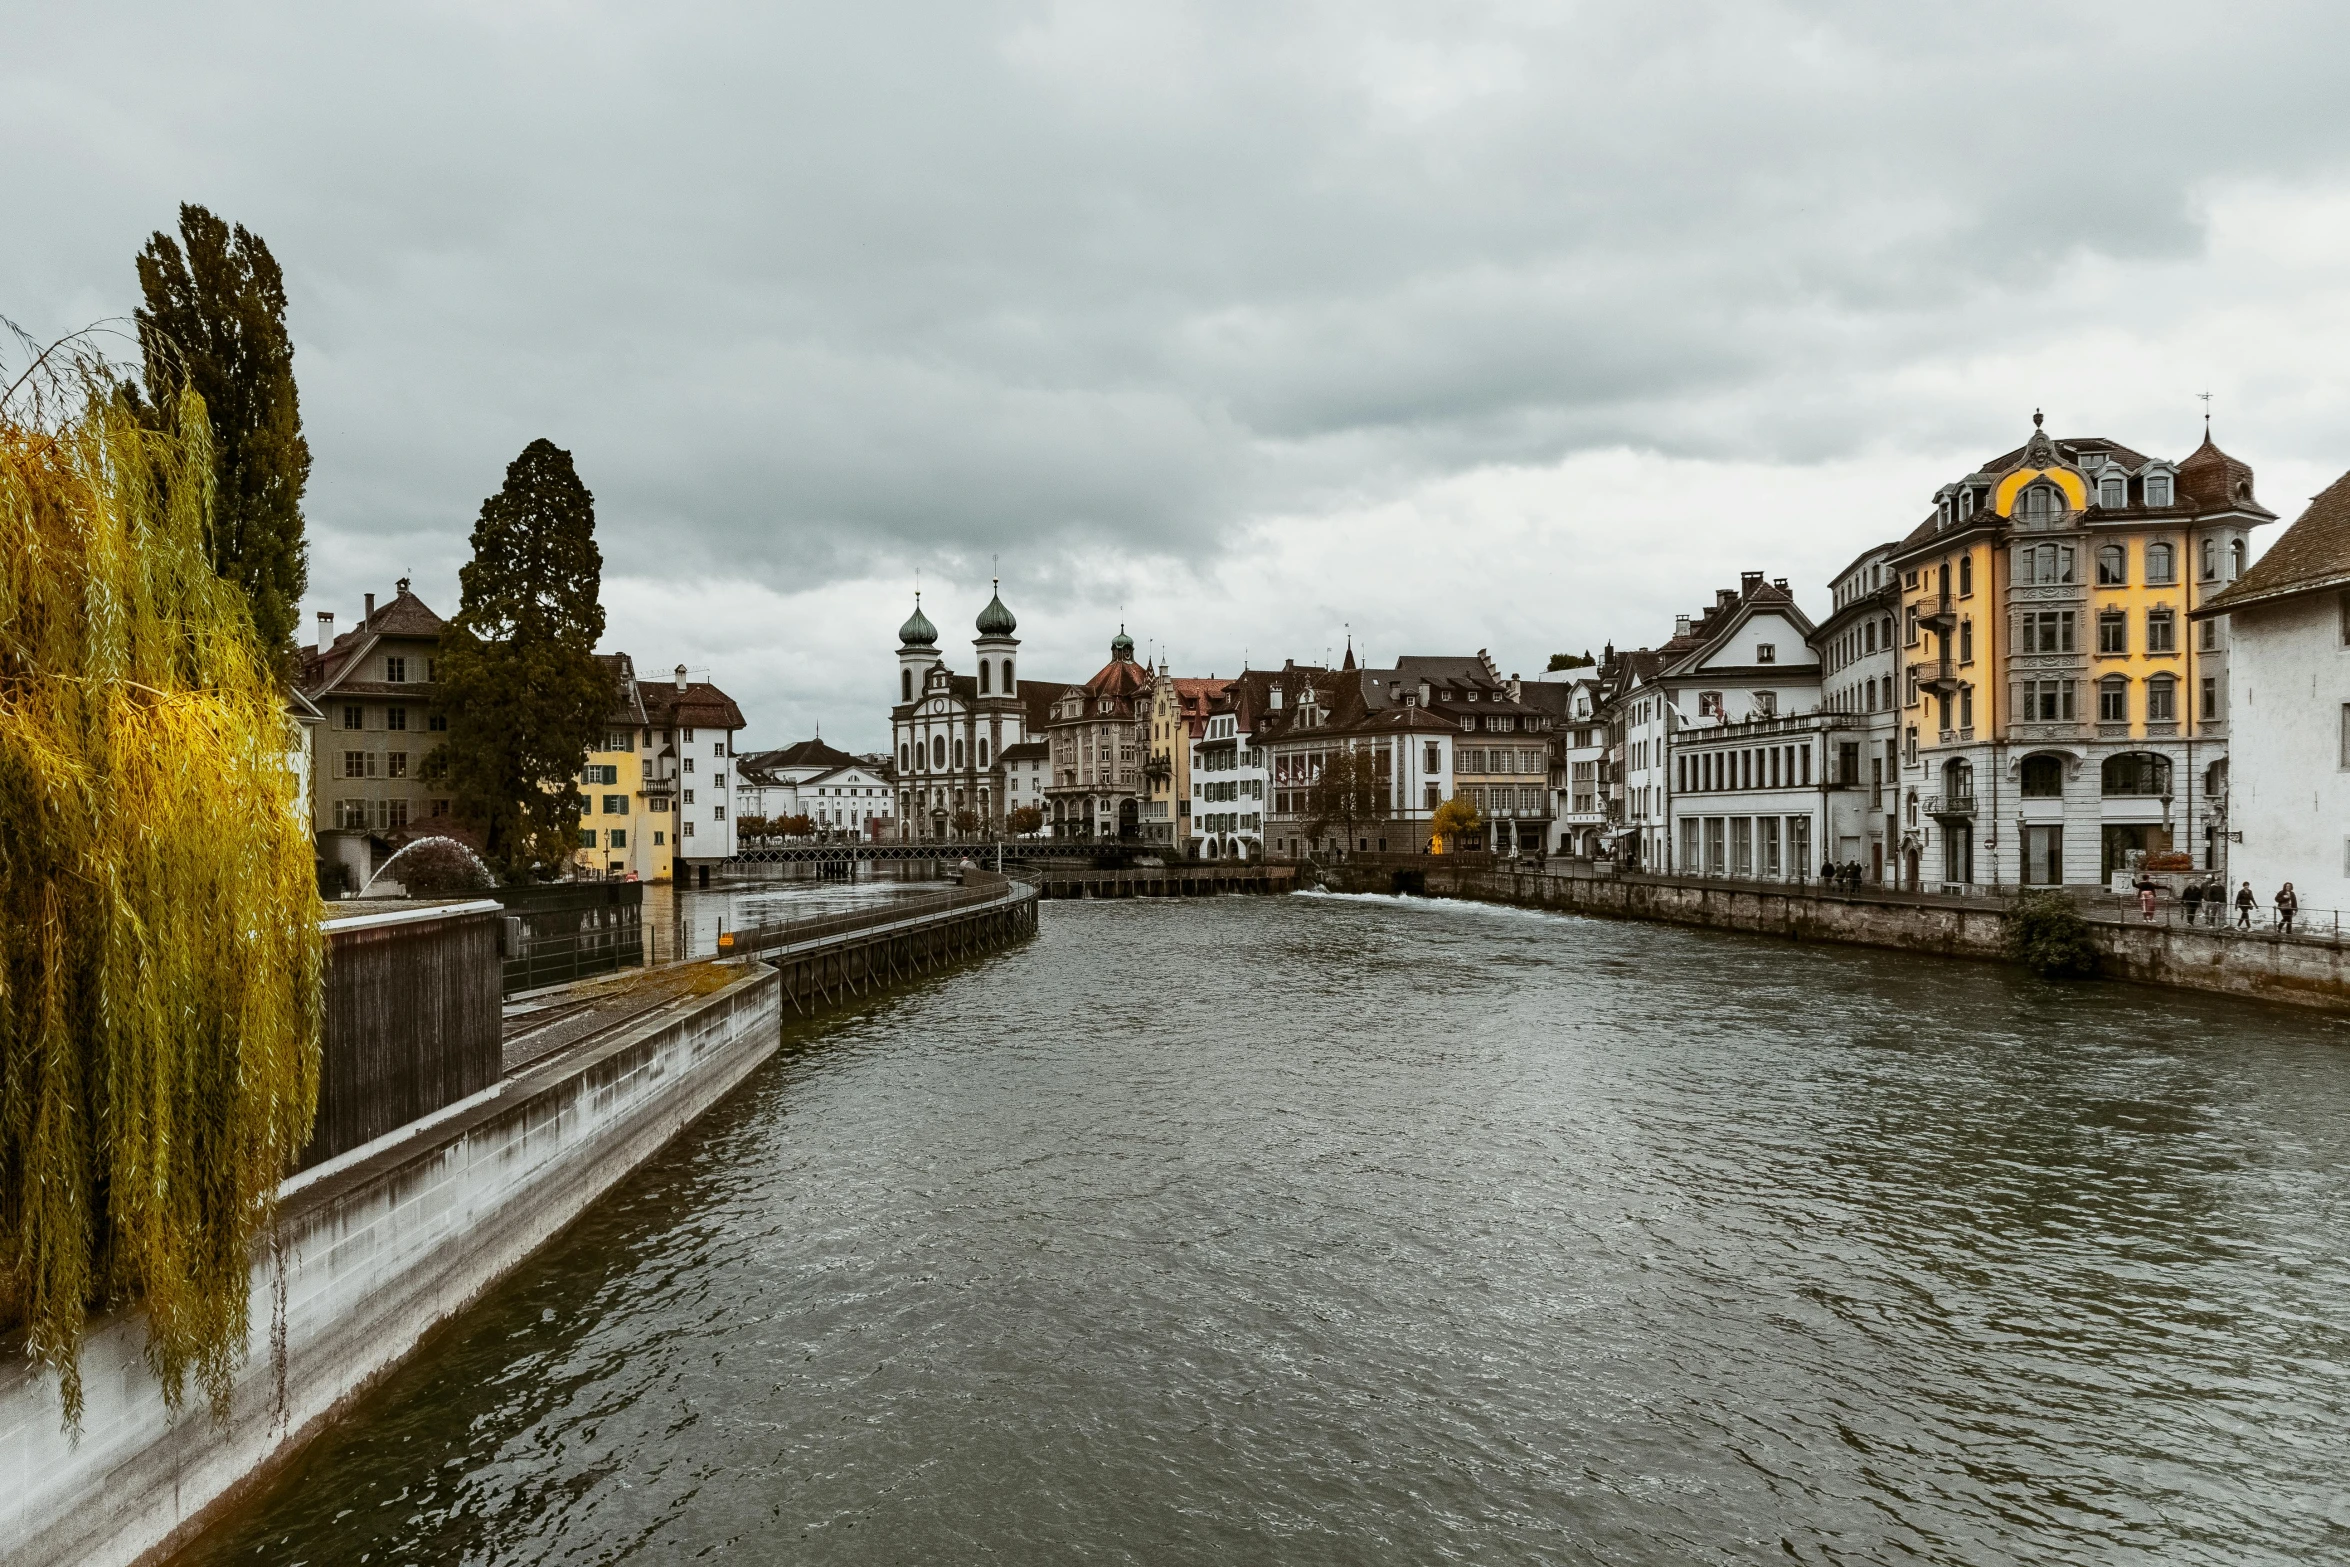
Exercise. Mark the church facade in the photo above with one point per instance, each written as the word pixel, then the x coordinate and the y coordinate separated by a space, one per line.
pixel 949 731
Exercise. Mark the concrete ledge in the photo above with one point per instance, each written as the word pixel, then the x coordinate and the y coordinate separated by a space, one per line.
pixel 379 1249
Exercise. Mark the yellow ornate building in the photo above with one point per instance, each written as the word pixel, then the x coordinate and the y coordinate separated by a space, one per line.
pixel 2059 721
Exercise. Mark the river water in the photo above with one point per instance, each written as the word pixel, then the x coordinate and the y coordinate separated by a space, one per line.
pixel 1341 1230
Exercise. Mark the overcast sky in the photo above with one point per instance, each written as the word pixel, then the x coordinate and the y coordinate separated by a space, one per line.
pixel 1513 326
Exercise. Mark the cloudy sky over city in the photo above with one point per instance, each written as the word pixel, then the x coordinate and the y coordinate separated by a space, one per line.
pixel 1520 326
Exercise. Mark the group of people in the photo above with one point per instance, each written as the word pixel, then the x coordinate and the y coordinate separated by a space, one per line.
pixel 2209 897
pixel 1848 874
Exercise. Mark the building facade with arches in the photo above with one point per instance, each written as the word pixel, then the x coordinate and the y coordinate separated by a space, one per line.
pixel 2062 722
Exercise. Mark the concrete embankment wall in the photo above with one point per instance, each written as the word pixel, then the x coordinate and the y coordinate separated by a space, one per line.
pixel 380 1246
pixel 2306 973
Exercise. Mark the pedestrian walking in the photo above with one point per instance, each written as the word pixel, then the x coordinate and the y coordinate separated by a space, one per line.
pixel 2246 902
pixel 2215 901
pixel 2146 900
pixel 2288 905
pixel 2191 899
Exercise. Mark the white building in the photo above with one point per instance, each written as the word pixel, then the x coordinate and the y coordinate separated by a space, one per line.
pixel 1764 799
pixel 840 794
pixel 950 732
pixel 1860 667
pixel 2287 619
pixel 1573 699
pixel 1228 781
pixel 691 763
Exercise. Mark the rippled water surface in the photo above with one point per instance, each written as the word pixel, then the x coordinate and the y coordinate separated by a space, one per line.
pixel 1348 1230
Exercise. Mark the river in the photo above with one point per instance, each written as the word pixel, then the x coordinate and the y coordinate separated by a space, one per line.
pixel 1344 1230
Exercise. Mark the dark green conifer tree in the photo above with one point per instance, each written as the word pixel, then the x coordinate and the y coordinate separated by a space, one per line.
pixel 525 697
pixel 215 321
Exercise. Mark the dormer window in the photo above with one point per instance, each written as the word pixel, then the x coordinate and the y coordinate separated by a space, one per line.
pixel 2113 492
pixel 1942 513
pixel 2158 489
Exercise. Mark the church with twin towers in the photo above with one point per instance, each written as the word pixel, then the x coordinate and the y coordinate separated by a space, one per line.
pixel 965 759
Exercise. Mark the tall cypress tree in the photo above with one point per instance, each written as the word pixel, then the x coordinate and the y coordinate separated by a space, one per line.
pixel 215 322
pixel 525 697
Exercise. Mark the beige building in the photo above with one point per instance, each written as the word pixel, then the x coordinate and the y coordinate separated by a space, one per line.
pixel 1098 733
pixel 374 781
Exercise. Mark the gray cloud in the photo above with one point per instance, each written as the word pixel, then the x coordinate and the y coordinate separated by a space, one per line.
pixel 819 293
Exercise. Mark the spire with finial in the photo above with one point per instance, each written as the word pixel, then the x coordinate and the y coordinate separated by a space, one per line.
pixel 996 620
pixel 918 631
pixel 2036 418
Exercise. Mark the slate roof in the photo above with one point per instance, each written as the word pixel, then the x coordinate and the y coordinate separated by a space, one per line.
pixel 405 616
pixel 2312 556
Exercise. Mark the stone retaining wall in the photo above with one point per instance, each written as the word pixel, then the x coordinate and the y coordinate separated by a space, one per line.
pixel 2262 964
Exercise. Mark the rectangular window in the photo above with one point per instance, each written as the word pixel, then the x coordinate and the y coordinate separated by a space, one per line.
pixel 354 764
pixel 1766 652
pixel 356 718
pixel 616 805
pixel 1434 759
pixel 689 764
pixel 587 837
pixel 396 764
pixel 1742 846
pixel 396 671
pixel 689 797
pixel 717 813
pixel 2158 491
pixel 2113 702
pixel 1716 861
pixel 395 718
pixel 350 813
pixel 2210 696
pixel 686 830
pixel 397 815
pixel 2161 701
pixel 440 807
pixel 1966 641
pixel 1769 865
pixel 438 722
pixel 1689 829
pixel 2162 631
pixel 2113 631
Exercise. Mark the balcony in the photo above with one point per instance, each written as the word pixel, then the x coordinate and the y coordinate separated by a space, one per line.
pixel 1939 611
pixel 1951 807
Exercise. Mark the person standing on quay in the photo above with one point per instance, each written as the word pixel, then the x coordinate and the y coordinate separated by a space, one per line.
pixel 2246 902
pixel 2288 905
pixel 2192 899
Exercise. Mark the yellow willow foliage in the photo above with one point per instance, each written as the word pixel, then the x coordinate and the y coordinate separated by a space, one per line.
pixel 161 964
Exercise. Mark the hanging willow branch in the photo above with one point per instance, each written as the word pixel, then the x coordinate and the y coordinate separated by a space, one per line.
pixel 160 958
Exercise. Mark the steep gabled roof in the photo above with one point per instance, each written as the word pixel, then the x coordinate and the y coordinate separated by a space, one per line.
pixel 2312 556
pixel 328 669
pixel 700 705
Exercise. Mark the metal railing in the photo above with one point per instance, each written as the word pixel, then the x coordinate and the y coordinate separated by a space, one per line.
pixel 2221 916
pixel 791 933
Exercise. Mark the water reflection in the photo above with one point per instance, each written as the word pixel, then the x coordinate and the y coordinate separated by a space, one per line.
pixel 1329 1230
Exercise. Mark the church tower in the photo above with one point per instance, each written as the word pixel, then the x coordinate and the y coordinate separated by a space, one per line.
pixel 917 652
pixel 994 645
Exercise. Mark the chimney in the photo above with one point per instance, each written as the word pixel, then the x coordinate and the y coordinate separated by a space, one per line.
pixel 681 677
pixel 1680 629
pixel 370 615
pixel 1724 598
pixel 1780 583
pixel 1748 581
pixel 1275 698
pixel 326 629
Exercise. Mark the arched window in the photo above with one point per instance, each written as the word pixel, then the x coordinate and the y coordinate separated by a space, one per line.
pixel 983 670
pixel 2161 563
pixel 2113 493
pixel 2137 773
pixel 2043 777
pixel 958 755
pixel 1958 779
pixel 1966 575
pixel 905 685
pixel 983 753
pixel 2113 701
pixel 938 752
pixel 2236 553
pixel 2113 567
pixel 2210 559
pixel 905 757
pixel 1008 691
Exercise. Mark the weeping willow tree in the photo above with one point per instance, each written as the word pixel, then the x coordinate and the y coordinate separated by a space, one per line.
pixel 160 958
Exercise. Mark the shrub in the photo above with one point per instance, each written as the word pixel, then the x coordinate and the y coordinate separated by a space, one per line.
pixel 2046 934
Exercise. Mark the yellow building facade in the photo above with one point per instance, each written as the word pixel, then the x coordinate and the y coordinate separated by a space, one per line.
pixel 2061 722
pixel 628 814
